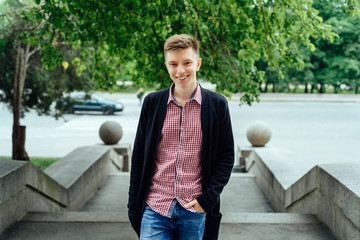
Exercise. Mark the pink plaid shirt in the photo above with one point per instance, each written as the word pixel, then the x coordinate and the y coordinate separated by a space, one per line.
pixel 177 172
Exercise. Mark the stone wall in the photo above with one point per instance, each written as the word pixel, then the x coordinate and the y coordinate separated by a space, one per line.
pixel 329 191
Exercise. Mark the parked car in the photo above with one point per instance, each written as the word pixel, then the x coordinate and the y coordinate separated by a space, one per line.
pixel 82 101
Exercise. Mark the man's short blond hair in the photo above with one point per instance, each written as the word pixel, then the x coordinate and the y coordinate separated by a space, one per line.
pixel 180 41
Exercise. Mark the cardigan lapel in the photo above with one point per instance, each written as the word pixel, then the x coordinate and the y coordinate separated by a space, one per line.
pixel 205 126
pixel 163 106
pixel 204 113
pixel 161 112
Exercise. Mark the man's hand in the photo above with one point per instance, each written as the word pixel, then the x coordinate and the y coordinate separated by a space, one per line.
pixel 195 205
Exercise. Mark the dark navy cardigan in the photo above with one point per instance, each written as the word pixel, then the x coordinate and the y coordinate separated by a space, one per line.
pixel 217 156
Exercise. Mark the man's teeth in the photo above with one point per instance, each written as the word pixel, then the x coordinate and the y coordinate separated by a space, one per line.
pixel 183 78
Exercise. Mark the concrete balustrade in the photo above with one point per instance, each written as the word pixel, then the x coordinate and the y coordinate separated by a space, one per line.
pixel 12 192
pixel 66 185
pixel 329 191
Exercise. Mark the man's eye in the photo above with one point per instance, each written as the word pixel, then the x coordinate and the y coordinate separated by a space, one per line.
pixel 188 63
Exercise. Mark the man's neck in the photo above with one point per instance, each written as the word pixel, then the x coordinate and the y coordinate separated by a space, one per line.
pixel 182 95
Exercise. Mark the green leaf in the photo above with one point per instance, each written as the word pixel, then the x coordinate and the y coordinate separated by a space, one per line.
pixel 312 47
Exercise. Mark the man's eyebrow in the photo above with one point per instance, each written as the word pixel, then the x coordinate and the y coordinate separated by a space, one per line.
pixel 185 60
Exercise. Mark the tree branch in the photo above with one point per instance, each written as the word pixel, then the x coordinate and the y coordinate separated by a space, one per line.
pixel 34 51
pixel 266 31
pixel 211 58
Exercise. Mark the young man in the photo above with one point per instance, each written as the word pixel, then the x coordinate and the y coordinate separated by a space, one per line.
pixel 183 153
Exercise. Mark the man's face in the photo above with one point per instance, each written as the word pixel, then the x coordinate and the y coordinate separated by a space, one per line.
pixel 182 66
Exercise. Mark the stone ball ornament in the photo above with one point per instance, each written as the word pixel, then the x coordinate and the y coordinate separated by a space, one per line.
pixel 110 132
pixel 258 133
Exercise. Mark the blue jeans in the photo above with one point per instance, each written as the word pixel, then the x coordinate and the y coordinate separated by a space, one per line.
pixel 183 224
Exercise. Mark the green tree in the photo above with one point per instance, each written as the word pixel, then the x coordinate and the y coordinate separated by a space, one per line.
pixel 22 51
pixel 343 58
pixel 304 76
pixel 232 34
pixel 335 63
pixel 23 81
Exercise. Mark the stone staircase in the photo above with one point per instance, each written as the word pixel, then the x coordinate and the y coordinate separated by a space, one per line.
pixel 247 215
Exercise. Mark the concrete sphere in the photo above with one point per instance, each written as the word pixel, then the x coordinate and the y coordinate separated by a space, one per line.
pixel 258 134
pixel 110 132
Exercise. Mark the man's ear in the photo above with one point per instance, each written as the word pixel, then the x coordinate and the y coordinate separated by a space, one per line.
pixel 198 64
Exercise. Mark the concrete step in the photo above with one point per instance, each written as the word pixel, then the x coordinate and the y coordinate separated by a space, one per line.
pixel 69 231
pixel 121 217
pixel 251 231
pixel 115 225
pixel 241 194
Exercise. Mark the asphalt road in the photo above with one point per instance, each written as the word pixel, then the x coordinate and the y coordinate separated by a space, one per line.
pixel 316 132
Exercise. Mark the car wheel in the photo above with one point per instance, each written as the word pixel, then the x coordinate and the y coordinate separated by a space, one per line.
pixel 70 110
pixel 108 111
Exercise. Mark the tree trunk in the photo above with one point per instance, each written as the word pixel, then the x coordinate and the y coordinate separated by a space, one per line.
pixel 306 88
pixel 313 88
pixel 18 135
pixel 266 87
pixel 19 152
pixel 260 89
pixel 273 90
pixel 356 89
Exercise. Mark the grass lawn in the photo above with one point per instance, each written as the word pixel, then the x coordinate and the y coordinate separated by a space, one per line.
pixel 42 163
pixel 300 89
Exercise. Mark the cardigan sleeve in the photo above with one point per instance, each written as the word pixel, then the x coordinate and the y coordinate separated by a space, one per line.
pixel 221 158
pixel 137 158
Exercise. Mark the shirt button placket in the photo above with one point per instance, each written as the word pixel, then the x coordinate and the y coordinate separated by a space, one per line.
pixel 176 188
pixel 178 167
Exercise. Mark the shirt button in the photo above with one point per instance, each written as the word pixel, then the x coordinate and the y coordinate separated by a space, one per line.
pixel 180 146
pixel 178 164
pixel 182 129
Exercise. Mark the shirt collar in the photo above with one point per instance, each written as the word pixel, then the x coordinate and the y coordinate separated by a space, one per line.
pixel 196 96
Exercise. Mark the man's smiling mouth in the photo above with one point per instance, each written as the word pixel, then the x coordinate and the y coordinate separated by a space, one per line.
pixel 182 78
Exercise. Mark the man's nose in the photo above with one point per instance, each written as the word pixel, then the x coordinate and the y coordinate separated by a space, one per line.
pixel 180 69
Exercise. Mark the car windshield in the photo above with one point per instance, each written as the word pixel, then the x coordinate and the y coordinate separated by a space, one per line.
pixel 87 96
pixel 97 97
